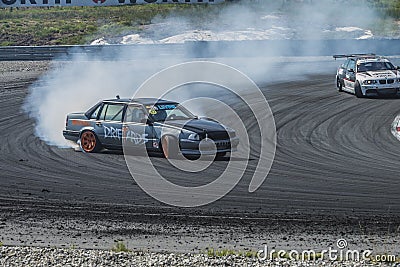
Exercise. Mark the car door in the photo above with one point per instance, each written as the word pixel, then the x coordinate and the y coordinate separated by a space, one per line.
pixel 108 126
pixel 350 74
pixel 137 130
pixel 342 70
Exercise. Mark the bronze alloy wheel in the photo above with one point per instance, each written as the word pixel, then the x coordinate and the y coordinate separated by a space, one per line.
pixel 88 141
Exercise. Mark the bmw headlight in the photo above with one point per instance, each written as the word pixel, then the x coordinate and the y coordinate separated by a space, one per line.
pixel 190 135
pixel 194 136
pixel 367 82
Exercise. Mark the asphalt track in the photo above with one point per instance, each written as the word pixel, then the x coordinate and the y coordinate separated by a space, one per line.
pixel 335 158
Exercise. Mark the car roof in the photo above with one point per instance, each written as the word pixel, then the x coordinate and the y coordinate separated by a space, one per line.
pixel 374 59
pixel 143 101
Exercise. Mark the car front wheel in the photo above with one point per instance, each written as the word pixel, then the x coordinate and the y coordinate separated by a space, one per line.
pixel 358 91
pixel 169 147
pixel 339 85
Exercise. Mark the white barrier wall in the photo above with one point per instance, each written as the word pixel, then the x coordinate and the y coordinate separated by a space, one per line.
pixel 46 3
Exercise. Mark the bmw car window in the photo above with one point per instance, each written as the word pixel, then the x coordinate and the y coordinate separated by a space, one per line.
pixel 135 114
pixel 112 112
pixel 169 112
pixel 344 65
pixel 351 65
pixel 374 66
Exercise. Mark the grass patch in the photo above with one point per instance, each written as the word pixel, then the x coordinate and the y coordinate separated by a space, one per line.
pixel 1 244
pixel 80 25
pixel 120 247
pixel 211 252
pixel 6 43
pixel 389 7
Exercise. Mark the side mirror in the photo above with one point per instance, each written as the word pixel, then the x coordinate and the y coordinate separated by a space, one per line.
pixel 397 67
pixel 351 70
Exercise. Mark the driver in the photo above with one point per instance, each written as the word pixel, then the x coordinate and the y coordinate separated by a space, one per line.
pixel 161 115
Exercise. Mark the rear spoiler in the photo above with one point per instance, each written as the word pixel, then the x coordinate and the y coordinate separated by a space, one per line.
pixel 354 55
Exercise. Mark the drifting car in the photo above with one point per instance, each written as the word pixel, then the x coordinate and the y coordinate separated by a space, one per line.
pixel 161 125
pixel 367 75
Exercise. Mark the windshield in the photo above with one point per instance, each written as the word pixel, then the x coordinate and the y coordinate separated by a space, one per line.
pixel 374 66
pixel 166 112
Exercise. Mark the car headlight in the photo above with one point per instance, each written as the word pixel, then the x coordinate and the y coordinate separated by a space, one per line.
pixel 369 82
pixel 190 135
pixel 194 136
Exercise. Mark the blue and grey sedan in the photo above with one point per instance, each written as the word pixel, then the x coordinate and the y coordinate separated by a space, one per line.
pixel 160 125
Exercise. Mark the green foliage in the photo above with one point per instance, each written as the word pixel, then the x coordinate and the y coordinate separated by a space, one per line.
pixel 387 7
pixel 6 43
pixel 73 25
pixel 81 25
pixel 120 247
pixel 1 244
pixel 211 252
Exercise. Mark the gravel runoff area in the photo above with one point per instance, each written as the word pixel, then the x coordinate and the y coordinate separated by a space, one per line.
pixel 34 256
pixel 15 255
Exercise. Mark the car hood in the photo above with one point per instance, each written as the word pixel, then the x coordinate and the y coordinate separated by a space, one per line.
pixel 196 125
pixel 383 74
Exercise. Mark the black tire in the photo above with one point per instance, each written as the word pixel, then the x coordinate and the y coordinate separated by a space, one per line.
pixel 169 147
pixel 358 91
pixel 220 154
pixel 339 85
pixel 89 143
pixel 192 157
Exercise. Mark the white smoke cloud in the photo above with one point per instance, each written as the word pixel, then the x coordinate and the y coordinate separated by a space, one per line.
pixel 266 20
pixel 76 85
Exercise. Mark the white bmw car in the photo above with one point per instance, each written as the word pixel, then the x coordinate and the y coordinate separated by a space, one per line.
pixel 368 75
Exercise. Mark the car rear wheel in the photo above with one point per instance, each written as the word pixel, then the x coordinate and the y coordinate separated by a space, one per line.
pixel 358 91
pixel 89 142
pixel 339 85
pixel 169 147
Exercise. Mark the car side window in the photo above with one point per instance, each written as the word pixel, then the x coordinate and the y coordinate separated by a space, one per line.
pixel 135 114
pixel 112 112
pixel 95 112
pixel 351 65
pixel 344 65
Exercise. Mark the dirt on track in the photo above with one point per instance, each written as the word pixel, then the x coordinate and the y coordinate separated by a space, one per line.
pixel 335 175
